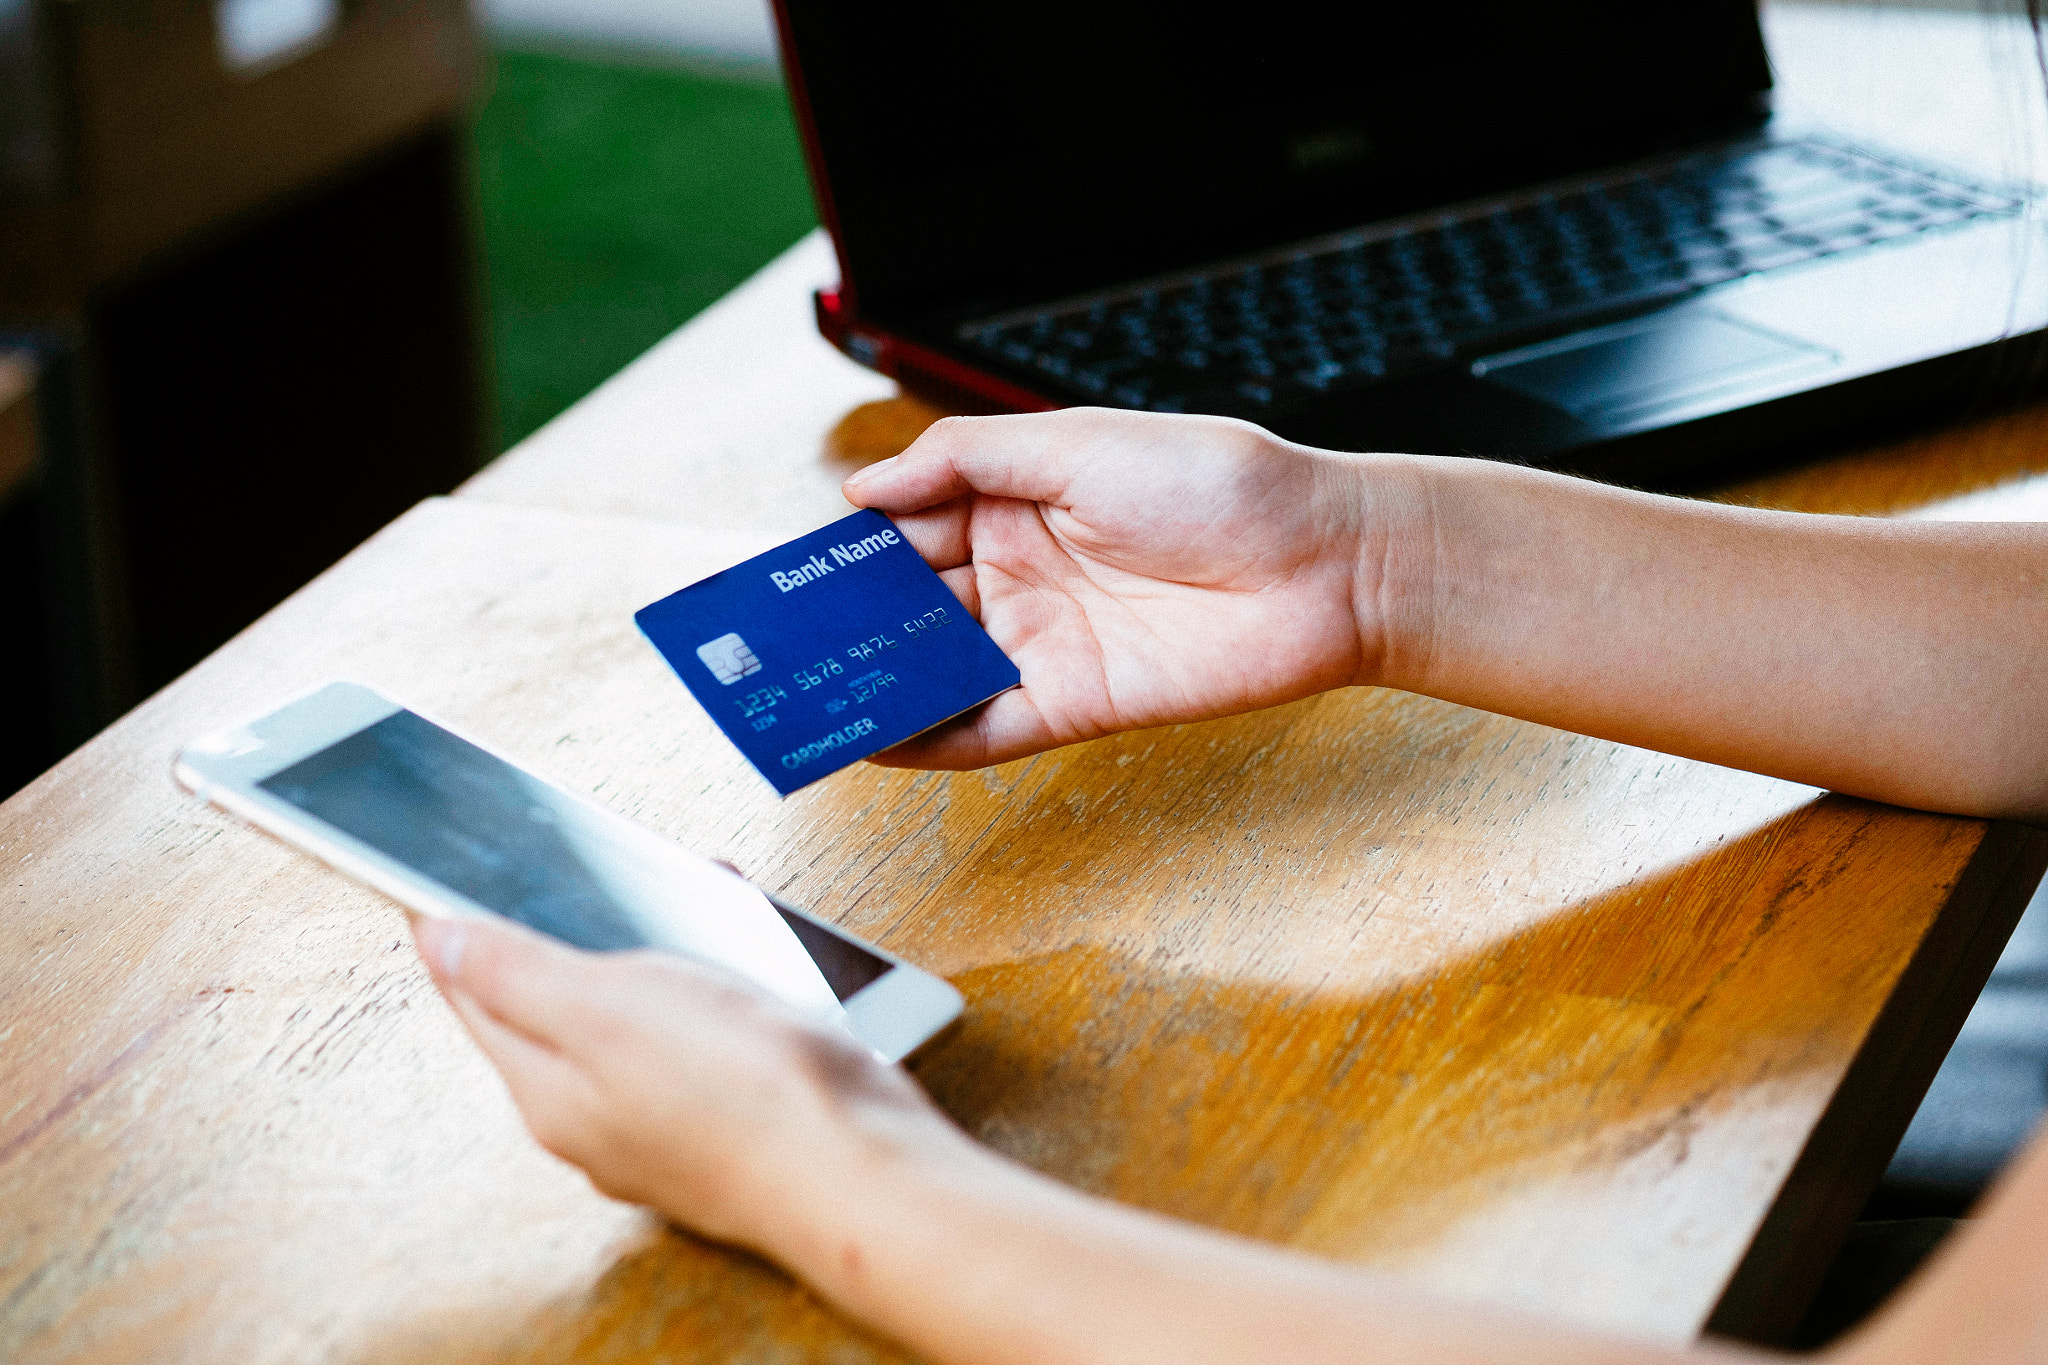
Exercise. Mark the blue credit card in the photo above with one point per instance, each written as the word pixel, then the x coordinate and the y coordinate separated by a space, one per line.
pixel 828 649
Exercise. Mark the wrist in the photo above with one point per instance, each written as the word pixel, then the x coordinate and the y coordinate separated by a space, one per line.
pixel 948 1247
pixel 1393 543
pixel 863 1202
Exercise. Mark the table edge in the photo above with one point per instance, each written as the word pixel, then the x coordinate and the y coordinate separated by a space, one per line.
pixel 1849 1147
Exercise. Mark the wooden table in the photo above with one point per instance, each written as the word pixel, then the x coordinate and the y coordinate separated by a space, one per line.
pixel 1520 1015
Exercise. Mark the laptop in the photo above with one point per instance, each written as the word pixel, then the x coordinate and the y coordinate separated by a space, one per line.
pixel 1571 234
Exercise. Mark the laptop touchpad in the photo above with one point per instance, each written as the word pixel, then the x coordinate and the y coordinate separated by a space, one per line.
pixel 1619 375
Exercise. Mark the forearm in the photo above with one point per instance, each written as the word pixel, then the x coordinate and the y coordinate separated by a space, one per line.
pixel 971 1260
pixel 1907 662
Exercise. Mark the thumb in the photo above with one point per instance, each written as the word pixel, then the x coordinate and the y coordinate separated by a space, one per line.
pixel 524 980
pixel 1028 456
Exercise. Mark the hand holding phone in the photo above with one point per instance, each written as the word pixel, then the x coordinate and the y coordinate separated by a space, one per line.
pixel 680 1087
pixel 448 828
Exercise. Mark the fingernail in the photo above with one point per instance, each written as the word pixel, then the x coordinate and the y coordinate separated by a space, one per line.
pixel 441 942
pixel 863 475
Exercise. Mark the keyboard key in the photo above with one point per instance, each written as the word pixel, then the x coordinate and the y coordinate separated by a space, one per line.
pixel 1246 338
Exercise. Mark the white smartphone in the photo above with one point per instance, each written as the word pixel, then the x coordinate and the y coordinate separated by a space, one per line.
pixel 441 824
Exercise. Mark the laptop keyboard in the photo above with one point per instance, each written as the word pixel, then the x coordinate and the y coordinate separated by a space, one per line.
pixel 1366 306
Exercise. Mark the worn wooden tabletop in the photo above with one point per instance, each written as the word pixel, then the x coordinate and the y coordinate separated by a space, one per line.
pixel 1521 1015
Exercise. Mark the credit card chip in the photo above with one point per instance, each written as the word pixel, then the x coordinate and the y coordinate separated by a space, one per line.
pixel 728 658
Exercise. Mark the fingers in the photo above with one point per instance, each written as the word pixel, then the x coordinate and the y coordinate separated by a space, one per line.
pixel 473 961
pixel 965 586
pixel 1028 456
pixel 559 998
pixel 527 982
pixel 940 534
pixel 1008 726
pixel 542 1080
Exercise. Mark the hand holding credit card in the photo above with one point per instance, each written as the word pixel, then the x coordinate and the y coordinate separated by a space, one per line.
pixel 835 646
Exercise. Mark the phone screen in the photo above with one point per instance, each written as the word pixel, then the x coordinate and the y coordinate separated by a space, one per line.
pixel 514 844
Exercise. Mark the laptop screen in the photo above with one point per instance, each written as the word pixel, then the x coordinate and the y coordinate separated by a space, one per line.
pixel 983 156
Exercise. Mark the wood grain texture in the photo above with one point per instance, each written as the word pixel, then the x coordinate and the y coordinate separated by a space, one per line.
pixel 744 419
pixel 1509 1012
pixel 1987 469
pixel 1516 1014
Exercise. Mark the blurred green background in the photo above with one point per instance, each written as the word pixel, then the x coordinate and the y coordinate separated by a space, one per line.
pixel 621 194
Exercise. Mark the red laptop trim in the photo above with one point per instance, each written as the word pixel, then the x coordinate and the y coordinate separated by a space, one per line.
pixel 932 374
pixel 814 155
pixel 950 382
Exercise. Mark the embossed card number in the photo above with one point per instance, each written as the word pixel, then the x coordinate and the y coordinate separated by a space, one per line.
pixel 832 647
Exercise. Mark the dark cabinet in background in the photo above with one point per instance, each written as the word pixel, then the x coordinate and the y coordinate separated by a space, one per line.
pixel 248 279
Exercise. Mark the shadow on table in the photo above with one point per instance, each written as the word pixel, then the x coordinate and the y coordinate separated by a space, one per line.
pixel 677 1297
pixel 875 431
pixel 1364 1125
pixel 1361 1126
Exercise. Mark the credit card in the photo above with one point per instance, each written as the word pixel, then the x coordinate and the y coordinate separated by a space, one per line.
pixel 832 647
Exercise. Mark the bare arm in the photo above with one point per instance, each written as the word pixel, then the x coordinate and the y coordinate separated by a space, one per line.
pixel 1148 570
pixel 678 1086
pixel 1144 570
pixel 1983 1300
pixel 1034 1272
pixel 973 1260
pixel 1902 661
